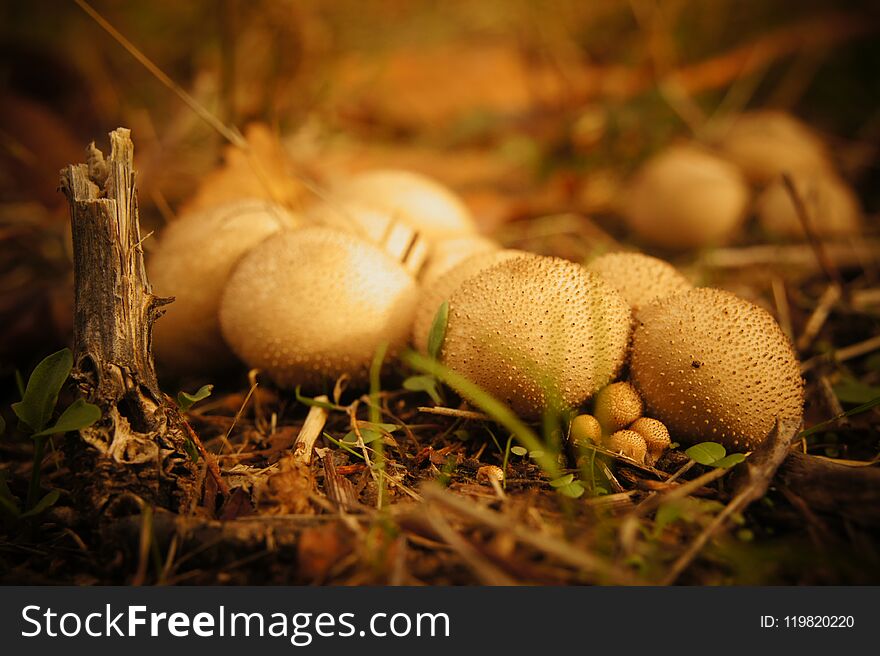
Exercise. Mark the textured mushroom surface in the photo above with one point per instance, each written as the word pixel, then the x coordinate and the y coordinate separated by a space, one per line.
pixel 537 330
pixel 686 197
pixel 831 205
pixel 766 144
pixel 434 293
pixel 712 366
pixel 585 429
pixel 192 262
pixel 639 278
pixel 448 253
pixel 629 443
pixel 656 437
pixel 309 305
pixel 369 202
pixel 617 406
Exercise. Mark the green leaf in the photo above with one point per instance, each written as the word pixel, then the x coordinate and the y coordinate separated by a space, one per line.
pixel 666 514
pixel 367 434
pixel 388 428
pixel 518 450
pixel 43 504
pixel 38 401
pixel 314 403
pixel 573 490
pixel 562 481
pixel 849 413
pixel 438 330
pixel 729 461
pixel 191 449
pixel 850 390
pixel 79 414
pixel 185 401
pixel 705 453
pixel 423 383
pixel 2 425
pixel 8 501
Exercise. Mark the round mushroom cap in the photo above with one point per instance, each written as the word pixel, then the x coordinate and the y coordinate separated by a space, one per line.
pixel 656 437
pixel 628 443
pixel 434 293
pixel 448 253
pixel 639 278
pixel 585 429
pixel 617 405
pixel 712 366
pixel 832 208
pixel 686 197
pixel 193 259
pixel 537 331
pixel 766 144
pixel 372 200
pixel 309 305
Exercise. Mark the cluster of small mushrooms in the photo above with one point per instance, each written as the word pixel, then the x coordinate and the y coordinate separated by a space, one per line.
pixel 308 297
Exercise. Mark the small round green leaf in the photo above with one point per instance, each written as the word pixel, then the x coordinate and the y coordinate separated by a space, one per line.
pixel 706 453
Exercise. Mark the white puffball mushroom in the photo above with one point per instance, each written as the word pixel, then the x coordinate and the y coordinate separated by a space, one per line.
pixel 765 144
pixel 712 366
pixel 639 278
pixel 628 443
pixel 309 305
pixel 368 203
pixel 617 406
pixel 831 205
pixel 533 331
pixel 685 197
pixel 446 254
pixel 193 259
pixel 656 437
pixel 433 294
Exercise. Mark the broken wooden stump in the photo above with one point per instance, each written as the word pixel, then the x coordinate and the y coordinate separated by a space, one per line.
pixel 135 453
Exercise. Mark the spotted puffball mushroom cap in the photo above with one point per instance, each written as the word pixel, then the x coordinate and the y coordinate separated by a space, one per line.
pixel 628 443
pixel 832 207
pixel 537 331
pixel 193 259
pixel 712 366
pixel 585 429
pixel 617 406
pixel 310 305
pixel 639 278
pixel 685 197
pixel 765 144
pixel 441 289
pixel 655 434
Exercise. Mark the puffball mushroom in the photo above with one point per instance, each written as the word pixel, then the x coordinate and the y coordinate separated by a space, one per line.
pixel 585 429
pixel 309 305
pixel 434 293
pixel 686 197
pixel 712 366
pixel 628 443
pixel 639 278
pixel 766 144
pixel 193 259
pixel 656 437
pixel 533 331
pixel 617 406
pixel 832 207
pixel 368 203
